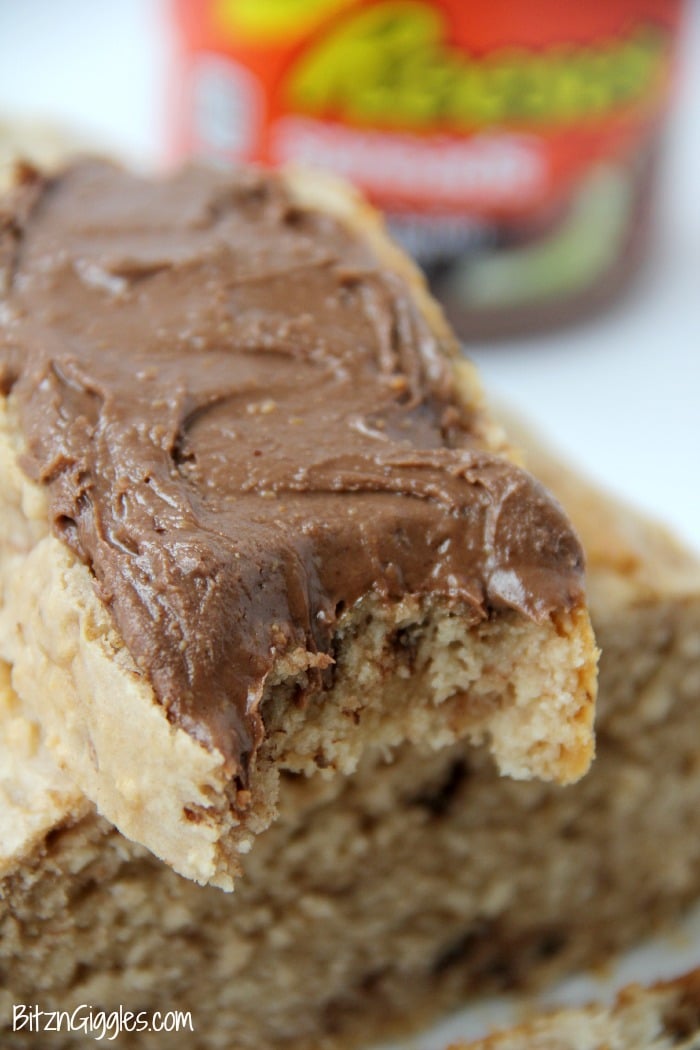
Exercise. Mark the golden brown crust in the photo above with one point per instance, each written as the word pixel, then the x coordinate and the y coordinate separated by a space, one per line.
pixel 662 1016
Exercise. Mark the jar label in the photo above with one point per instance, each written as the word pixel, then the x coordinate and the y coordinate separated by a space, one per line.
pixel 491 111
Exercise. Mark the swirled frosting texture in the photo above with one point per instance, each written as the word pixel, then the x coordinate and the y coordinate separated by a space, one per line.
pixel 244 425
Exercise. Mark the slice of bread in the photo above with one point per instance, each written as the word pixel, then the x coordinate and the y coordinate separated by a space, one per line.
pixel 381 898
pixel 497 659
pixel 665 1016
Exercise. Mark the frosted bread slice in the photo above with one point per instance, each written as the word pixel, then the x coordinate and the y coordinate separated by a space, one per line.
pixel 378 899
pixel 665 1016
pixel 255 518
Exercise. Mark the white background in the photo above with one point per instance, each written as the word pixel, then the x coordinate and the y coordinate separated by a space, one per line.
pixel 620 394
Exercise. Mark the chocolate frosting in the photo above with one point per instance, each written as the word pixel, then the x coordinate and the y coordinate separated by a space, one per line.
pixel 244 424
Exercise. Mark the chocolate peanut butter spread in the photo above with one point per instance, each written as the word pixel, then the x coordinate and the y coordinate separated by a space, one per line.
pixel 244 425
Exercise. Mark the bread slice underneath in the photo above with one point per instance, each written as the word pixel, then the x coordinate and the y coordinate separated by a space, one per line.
pixel 406 671
pixel 380 899
pixel 664 1016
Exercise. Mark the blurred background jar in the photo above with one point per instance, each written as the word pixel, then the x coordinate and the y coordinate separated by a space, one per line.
pixel 512 144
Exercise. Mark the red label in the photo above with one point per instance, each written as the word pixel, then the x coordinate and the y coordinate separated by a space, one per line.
pixel 437 107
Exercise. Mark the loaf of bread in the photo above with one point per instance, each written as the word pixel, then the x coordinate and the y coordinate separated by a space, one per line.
pixel 381 898
pixel 665 1016
pixel 256 523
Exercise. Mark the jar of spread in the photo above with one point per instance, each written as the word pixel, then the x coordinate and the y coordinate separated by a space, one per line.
pixel 513 145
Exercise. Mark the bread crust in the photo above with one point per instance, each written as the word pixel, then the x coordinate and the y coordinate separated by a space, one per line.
pixel 164 789
pixel 661 1016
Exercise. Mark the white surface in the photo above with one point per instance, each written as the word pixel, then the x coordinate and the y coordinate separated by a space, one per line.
pixel 619 395
pixel 100 66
